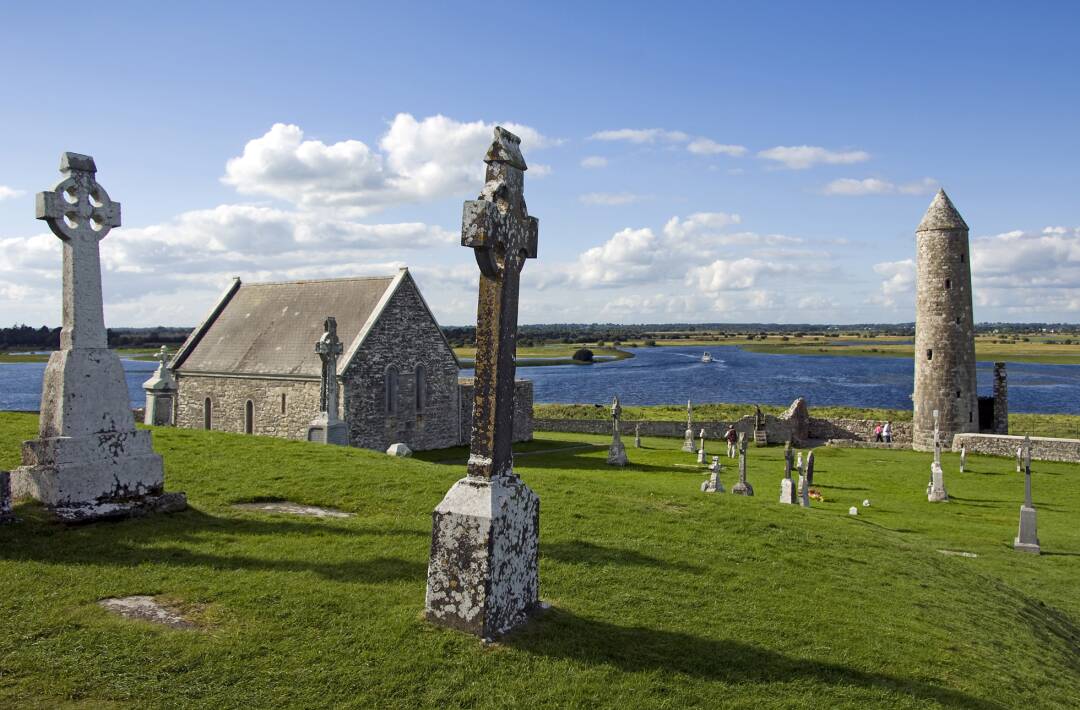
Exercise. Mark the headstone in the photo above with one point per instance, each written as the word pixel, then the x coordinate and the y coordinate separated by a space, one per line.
pixel 398 449
pixel 743 487
pixel 936 489
pixel 1027 538
pixel 6 516
pixel 853 510
pixel 637 436
pixel 713 485
pixel 810 469
pixel 482 575
pixel 688 437
pixel 90 461
pixel 701 450
pixel 327 427
pixel 787 486
pixel 616 455
pixel 804 487
pixel 963 458
pixel 1019 459
pixel 160 393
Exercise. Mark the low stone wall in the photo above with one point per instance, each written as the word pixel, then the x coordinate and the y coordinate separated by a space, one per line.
pixel 856 429
pixel 523 409
pixel 778 430
pixel 1042 448
pixel 856 444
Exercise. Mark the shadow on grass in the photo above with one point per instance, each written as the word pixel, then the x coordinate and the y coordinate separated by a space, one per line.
pixel 182 539
pixel 561 634
pixel 581 552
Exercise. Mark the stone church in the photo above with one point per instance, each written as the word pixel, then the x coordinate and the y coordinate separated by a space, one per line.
pixel 252 367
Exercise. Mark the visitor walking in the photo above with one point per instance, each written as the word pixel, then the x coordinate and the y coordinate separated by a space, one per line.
pixel 731 437
pixel 886 432
pixel 877 433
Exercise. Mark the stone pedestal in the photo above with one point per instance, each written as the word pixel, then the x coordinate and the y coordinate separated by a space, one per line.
pixel 688 442
pixel 6 515
pixel 616 455
pixel 1027 538
pixel 160 394
pixel 787 491
pixel 483 575
pixel 326 431
pixel 937 493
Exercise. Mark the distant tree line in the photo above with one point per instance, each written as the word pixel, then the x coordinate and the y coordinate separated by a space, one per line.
pixel 24 337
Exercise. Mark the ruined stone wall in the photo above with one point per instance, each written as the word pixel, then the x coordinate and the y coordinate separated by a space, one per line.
pixel 403 337
pixel 229 396
pixel 778 430
pixel 856 429
pixel 1042 448
pixel 944 328
pixel 523 409
pixel 1001 399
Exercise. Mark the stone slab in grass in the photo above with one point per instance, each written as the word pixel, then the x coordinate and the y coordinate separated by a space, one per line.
pixel 291 508
pixel 146 608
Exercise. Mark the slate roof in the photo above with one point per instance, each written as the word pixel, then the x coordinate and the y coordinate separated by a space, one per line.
pixel 272 328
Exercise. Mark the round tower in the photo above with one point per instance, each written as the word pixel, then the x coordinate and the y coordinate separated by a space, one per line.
pixel 944 328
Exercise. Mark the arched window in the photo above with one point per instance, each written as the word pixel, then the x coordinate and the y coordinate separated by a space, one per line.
pixel 421 389
pixel 391 388
pixel 249 417
pixel 207 413
pixel 929 354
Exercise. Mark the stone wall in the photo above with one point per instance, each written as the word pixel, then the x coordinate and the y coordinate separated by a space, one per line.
pixel 280 407
pixel 856 429
pixel 1042 448
pixel 403 338
pixel 523 409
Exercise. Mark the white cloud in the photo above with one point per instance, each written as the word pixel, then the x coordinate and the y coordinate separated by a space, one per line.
pixel 417 160
pixel 698 223
pixel 852 187
pixel 594 161
pixel 799 157
pixel 732 275
pixel 10 193
pixel 706 146
pixel 898 281
pixel 611 199
pixel 640 135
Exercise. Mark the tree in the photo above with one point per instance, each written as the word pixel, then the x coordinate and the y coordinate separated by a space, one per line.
pixel 583 355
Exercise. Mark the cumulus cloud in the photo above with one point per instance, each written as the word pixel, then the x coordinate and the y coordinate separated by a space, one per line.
pixel 732 275
pixel 415 160
pixel 640 135
pixel 706 146
pixel 10 193
pixel 594 161
pixel 611 199
pixel 898 281
pixel 851 187
pixel 698 223
pixel 800 157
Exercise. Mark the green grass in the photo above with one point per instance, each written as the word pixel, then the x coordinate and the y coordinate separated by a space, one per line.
pixel 662 596
pixel 131 353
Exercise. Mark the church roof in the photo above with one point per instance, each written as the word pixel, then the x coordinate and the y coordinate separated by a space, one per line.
pixel 272 328
pixel 941 215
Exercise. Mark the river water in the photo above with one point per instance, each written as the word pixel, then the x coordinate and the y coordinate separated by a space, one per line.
pixel 670 375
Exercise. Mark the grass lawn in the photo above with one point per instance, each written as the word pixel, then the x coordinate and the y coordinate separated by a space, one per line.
pixel 662 596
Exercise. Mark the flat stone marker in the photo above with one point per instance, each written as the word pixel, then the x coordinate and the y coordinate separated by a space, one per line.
pixel 89 461
pixel 616 452
pixel 145 608
pixel 483 575
pixel 291 508
pixel 1027 537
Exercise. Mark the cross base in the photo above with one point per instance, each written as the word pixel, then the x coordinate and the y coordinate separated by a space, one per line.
pixel 688 443
pixel 324 431
pixel 616 454
pixel 742 488
pixel 1027 538
pixel 936 492
pixel 483 575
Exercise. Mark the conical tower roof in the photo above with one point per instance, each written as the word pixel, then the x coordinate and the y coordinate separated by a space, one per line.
pixel 941 215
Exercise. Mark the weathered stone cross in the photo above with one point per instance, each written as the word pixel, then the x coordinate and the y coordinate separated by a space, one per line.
pixel 329 348
pixel 498 228
pixel 79 211
pixel 616 413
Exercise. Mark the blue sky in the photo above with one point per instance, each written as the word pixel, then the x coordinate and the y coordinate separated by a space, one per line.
pixel 698 162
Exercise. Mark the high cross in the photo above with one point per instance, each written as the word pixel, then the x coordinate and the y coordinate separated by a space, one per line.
pixel 329 348
pixel 502 235
pixel 79 211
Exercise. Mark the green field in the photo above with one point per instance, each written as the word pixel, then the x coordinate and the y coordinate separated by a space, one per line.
pixel 132 353
pixel 661 596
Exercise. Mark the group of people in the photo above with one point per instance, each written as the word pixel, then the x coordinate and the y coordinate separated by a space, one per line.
pixel 883 432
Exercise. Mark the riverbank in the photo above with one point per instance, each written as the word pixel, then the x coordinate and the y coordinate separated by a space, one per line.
pixel 544 355
pixel 145 354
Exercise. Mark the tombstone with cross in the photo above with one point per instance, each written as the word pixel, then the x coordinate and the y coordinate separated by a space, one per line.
pixel 1027 537
pixel 935 490
pixel 483 571
pixel 89 461
pixel 327 427
pixel 160 393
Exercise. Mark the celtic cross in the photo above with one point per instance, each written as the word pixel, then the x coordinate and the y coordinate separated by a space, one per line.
pixel 329 347
pixel 163 356
pixel 79 211
pixel 502 235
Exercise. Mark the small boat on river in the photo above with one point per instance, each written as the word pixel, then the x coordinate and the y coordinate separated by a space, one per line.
pixel 706 357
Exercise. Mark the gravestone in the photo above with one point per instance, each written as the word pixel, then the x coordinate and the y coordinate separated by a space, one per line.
pixel 327 427
pixel 701 450
pixel 787 486
pixel 482 575
pixel 935 491
pixel 399 449
pixel 688 437
pixel 804 487
pixel 6 516
pixel 810 469
pixel 637 436
pixel 963 458
pixel 1027 538
pixel 160 393
pixel 1019 459
pixel 90 461
pixel 713 485
pixel 616 455
pixel 743 487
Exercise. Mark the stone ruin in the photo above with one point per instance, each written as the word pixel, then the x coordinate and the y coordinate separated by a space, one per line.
pixel 89 461
pixel 483 573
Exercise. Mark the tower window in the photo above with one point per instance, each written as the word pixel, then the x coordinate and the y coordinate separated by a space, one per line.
pixel 961 258
pixel 421 389
pixel 207 413
pixel 283 401
pixel 958 320
pixel 929 354
pixel 948 283
pixel 971 417
pixel 958 394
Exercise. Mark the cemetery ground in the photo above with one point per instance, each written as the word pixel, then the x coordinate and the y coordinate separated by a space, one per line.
pixel 661 596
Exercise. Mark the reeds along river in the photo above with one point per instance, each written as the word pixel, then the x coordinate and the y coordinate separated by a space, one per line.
pixel 671 375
